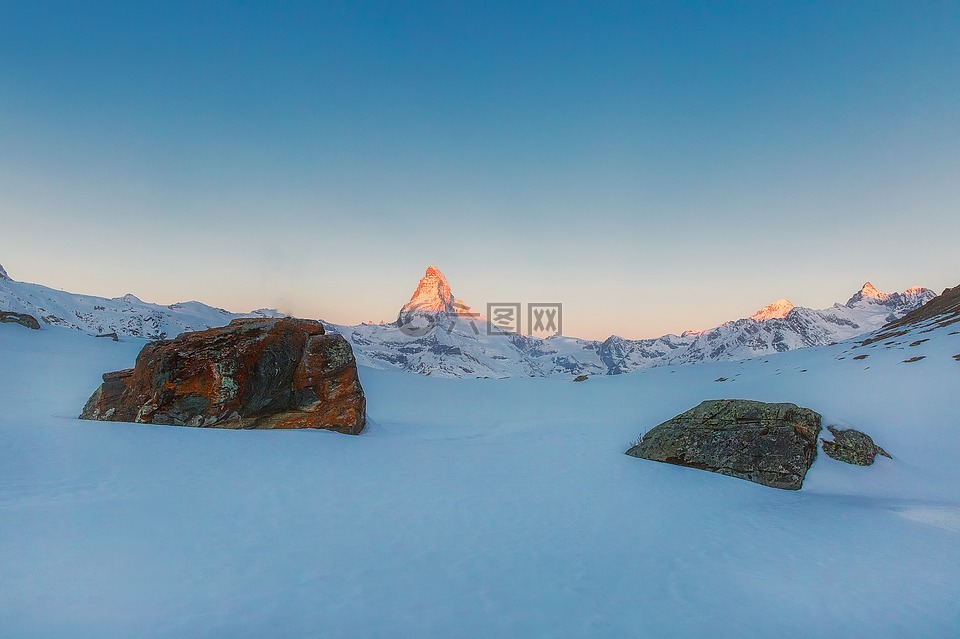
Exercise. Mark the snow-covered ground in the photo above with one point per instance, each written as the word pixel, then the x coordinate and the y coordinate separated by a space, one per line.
pixel 478 508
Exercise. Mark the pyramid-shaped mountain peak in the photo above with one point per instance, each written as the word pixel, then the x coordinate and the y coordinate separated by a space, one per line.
pixel 433 297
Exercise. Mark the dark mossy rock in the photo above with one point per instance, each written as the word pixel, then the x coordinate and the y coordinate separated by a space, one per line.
pixel 853 447
pixel 770 444
pixel 28 321
pixel 581 378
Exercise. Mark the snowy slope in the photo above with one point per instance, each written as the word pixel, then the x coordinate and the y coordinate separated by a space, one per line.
pixel 125 315
pixel 479 508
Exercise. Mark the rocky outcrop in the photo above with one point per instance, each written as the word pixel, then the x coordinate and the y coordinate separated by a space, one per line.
pixel 770 444
pixel 7 317
pixel 941 311
pixel 853 447
pixel 253 373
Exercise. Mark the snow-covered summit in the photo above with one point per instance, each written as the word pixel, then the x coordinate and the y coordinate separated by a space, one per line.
pixel 869 293
pixel 3 273
pixel 870 299
pixel 780 308
pixel 433 297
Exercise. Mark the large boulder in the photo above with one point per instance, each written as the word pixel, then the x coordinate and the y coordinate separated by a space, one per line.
pixel 770 444
pixel 29 321
pixel 253 373
pixel 853 447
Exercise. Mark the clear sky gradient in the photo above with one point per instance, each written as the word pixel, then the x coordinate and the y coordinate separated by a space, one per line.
pixel 653 166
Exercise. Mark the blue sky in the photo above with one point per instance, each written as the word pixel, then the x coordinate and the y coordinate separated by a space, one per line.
pixel 653 166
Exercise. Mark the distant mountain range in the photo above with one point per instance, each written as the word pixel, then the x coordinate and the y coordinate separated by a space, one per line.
pixel 450 340
pixel 127 315
pixel 454 349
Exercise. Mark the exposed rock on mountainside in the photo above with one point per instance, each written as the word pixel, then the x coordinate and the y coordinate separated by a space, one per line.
pixel 941 311
pixel 852 446
pixel 22 319
pixel 3 274
pixel 253 373
pixel 770 444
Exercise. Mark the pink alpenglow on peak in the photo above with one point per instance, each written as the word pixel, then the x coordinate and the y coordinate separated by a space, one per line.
pixel 916 294
pixel 779 309
pixel 433 297
pixel 869 290
pixel 870 293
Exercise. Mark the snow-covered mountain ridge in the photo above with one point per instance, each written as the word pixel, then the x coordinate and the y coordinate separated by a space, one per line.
pixel 452 341
pixel 127 315
pixel 456 348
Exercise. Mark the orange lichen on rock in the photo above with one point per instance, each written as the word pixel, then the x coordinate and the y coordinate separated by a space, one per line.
pixel 253 373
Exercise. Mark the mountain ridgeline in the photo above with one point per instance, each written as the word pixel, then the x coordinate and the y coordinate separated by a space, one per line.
pixel 452 340
pixel 460 346
pixel 126 316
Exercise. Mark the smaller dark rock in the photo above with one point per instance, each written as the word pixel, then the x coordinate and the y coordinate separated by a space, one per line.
pixel 580 378
pixel 7 317
pixel 861 357
pixel 720 379
pixel 112 336
pixel 914 359
pixel 852 446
